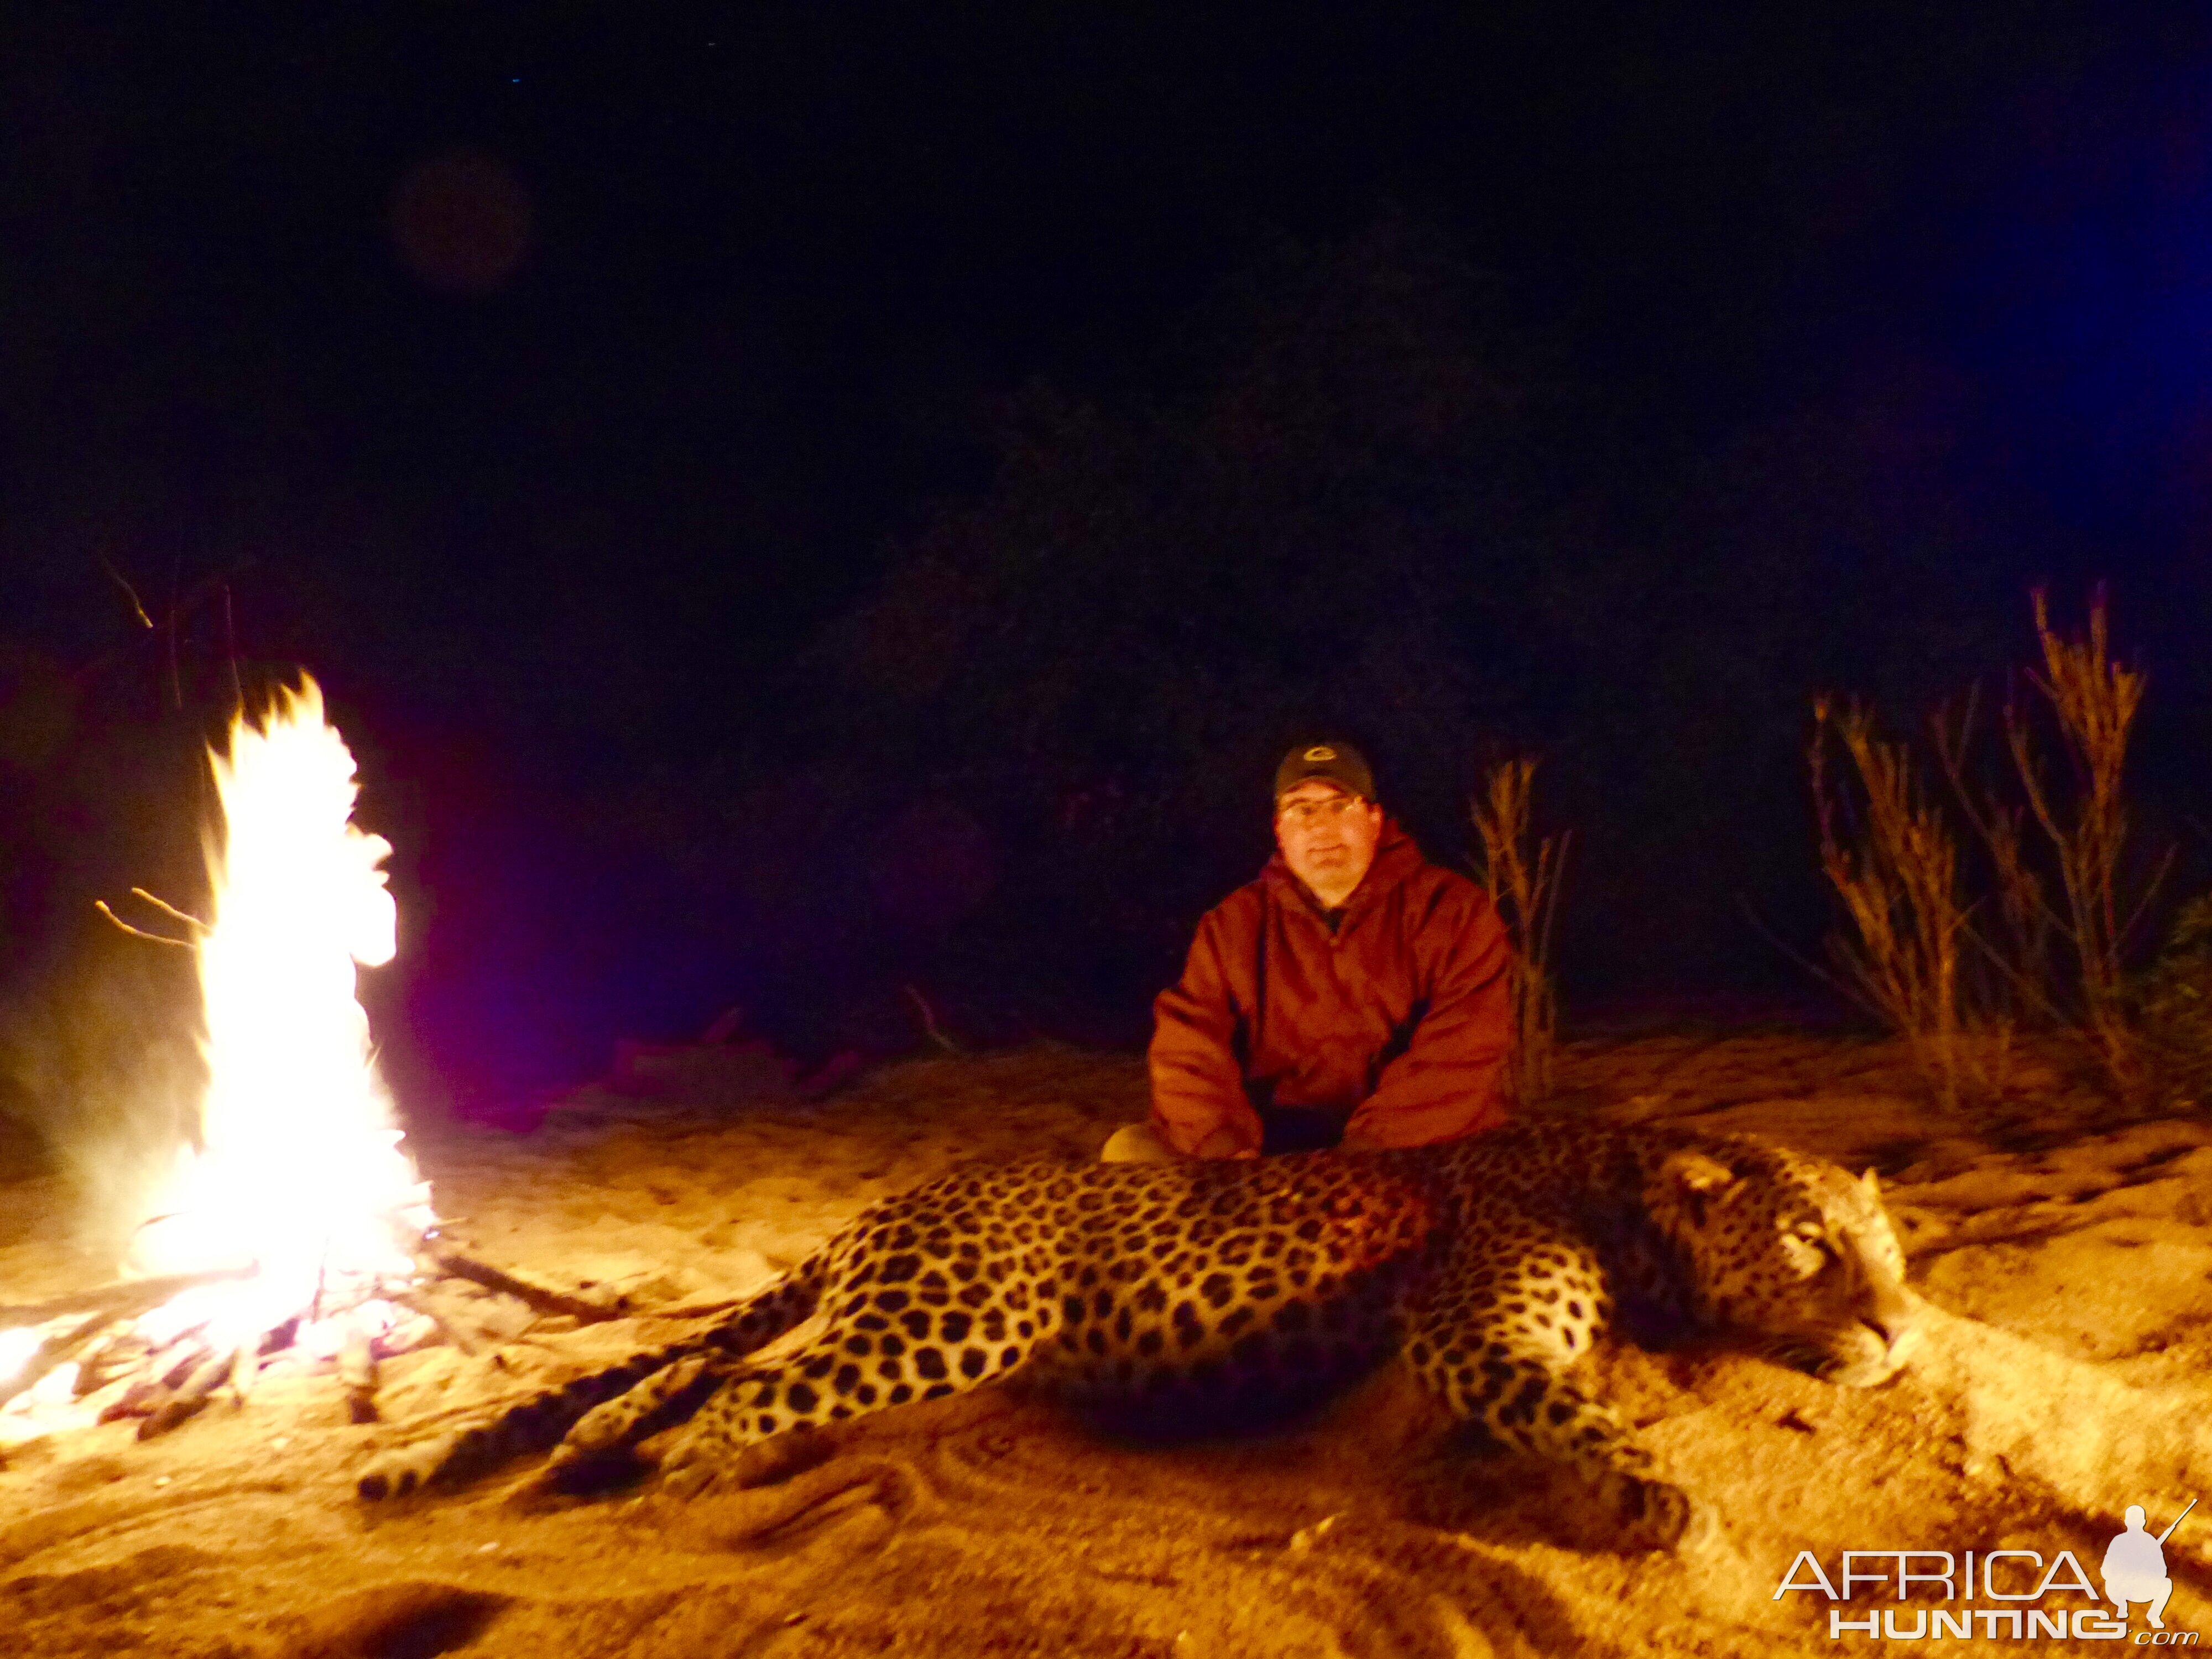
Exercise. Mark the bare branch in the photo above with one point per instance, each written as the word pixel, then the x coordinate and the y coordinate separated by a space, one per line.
pixel 929 1021
pixel 130 593
pixel 171 910
pixel 100 905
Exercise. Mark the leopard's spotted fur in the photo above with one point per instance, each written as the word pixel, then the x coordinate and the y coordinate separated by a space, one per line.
pixel 1490 1264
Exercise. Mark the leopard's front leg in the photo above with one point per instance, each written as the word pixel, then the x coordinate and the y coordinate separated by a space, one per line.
pixel 1512 1308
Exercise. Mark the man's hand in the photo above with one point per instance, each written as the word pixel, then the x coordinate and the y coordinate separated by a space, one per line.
pixel 1222 1143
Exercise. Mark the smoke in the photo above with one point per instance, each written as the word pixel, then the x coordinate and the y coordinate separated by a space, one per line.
pixel 101 1061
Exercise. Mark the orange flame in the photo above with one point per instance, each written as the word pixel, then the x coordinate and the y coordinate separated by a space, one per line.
pixel 298 1169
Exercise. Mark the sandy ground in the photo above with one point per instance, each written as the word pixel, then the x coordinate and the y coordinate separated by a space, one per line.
pixel 2067 1373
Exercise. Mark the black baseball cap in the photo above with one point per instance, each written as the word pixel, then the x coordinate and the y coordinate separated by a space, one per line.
pixel 1338 763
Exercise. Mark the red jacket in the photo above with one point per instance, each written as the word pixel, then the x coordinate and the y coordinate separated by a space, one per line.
pixel 1398 1022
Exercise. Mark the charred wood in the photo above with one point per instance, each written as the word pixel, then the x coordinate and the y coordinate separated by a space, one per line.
pixel 452 1262
pixel 137 1400
pixel 113 1360
pixel 176 1364
pixel 189 1399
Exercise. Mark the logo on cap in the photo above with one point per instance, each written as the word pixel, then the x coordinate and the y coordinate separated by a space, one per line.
pixel 1321 752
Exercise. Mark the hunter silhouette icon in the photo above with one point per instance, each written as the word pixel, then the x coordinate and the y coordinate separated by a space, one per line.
pixel 2134 1566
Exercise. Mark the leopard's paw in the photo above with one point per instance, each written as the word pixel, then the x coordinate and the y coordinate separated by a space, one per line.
pixel 666 1397
pixel 439 1460
pixel 1639 1513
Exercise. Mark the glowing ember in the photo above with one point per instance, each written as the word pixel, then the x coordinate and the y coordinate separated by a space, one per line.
pixel 16 1348
pixel 298 1169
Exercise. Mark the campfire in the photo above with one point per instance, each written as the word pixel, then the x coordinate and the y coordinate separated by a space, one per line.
pixel 293 1232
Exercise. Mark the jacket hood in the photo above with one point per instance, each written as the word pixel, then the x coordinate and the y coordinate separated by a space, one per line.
pixel 1396 858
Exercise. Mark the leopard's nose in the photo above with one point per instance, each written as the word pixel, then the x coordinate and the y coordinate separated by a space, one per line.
pixel 1893 1318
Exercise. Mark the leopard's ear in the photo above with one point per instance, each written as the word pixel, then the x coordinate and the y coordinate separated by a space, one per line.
pixel 1700 1178
pixel 1870 1183
pixel 1697 1172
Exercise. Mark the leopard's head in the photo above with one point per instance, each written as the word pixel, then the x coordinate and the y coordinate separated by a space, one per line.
pixel 1793 1251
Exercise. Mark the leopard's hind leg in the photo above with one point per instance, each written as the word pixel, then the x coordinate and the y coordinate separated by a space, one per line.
pixel 597 1414
pixel 864 1362
pixel 1496 1338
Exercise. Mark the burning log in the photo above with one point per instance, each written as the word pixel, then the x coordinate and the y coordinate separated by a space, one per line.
pixel 136 1400
pixel 245 1370
pixel 114 1360
pixel 165 1373
pixel 55 1351
pixel 124 1300
pixel 182 1360
pixel 189 1397
pixel 358 1372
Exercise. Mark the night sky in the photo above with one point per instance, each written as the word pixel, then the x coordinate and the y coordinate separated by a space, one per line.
pixel 577 391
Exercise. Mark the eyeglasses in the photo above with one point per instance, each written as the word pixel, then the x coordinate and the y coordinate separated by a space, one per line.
pixel 1305 814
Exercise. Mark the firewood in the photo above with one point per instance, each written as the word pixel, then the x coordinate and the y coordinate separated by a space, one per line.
pixel 139 1399
pixel 175 1381
pixel 357 1371
pixel 54 1350
pixel 458 1266
pixel 407 1335
pixel 188 1400
pixel 119 1357
pixel 177 1364
pixel 422 1300
pixel 125 1300
pixel 245 1368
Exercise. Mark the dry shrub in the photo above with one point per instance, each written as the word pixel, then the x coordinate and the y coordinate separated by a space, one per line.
pixel 1956 977
pixel 2093 701
pixel 2173 1004
pixel 1894 864
pixel 1524 883
pixel 2013 975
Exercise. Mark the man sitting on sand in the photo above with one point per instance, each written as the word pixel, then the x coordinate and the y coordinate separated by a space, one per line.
pixel 1354 995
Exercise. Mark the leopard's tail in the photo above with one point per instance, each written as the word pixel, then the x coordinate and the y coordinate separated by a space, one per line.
pixel 542 1421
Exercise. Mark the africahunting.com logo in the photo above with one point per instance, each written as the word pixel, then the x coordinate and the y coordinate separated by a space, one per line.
pixel 2017 1581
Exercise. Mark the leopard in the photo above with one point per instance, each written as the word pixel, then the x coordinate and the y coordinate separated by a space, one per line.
pixel 1489 1267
